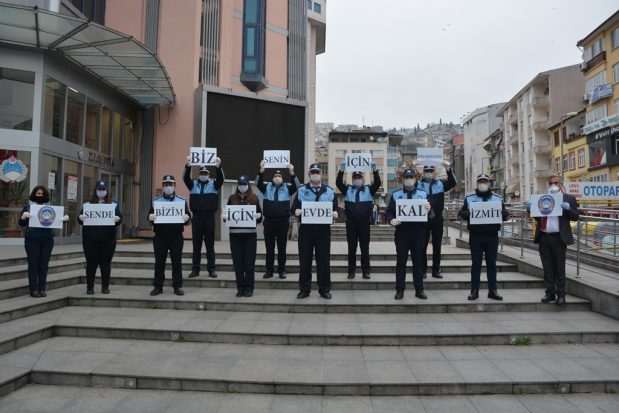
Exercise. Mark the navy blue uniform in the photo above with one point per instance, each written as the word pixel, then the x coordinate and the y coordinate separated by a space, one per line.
pixel 314 237
pixel 436 197
pixel 38 243
pixel 203 201
pixel 358 203
pixel 409 238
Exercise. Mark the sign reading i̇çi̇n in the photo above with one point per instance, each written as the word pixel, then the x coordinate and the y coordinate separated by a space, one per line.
pixel 276 159
pixel 358 162
pixel 202 156
pixel 316 212
pixel 411 210
pixel 242 216
pixel 490 212
pixel 99 214
pixel 169 212
pixel 46 216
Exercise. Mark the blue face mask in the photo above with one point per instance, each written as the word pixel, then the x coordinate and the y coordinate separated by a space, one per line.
pixel 203 178
pixel 168 190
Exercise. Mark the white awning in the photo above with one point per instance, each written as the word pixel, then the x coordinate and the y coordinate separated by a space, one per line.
pixel 114 57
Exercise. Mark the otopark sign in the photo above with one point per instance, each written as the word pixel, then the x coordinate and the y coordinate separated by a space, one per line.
pixel 594 191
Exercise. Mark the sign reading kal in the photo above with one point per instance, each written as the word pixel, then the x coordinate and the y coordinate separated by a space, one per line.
pixel 358 162
pixel 430 156
pixel 486 213
pixel 46 216
pixel 317 213
pixel 546 205
pixel 276 159
pixel 202 156
pixel 99 214
pixel 169 212
pixel 240 216
pixel 411 210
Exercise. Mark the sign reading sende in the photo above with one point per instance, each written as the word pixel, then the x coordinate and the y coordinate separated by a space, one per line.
pixel 411 210
pixel 99 214
pixel 276 159
pixel 594 191
pixel 202 156
pixel 240 216
pixel 358 162
pixel 316 213
pixel 169 212
pixel 486 213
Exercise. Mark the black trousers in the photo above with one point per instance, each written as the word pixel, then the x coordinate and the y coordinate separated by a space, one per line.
pixel 552 252
pixel 435 227
pixel 99 255
pixel 276 232
pixel 173 244
pixel 315 237
pixel 243 249
pixel 411 242
pixel 481 245
pixel 358 232
pixel 38 251
pixel 203 231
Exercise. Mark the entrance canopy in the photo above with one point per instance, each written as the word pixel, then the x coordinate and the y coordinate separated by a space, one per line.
pixel 116 58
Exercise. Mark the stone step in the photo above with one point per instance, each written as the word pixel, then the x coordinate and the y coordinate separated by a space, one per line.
pixel 14 272
pixel 16 287
pixel 324 370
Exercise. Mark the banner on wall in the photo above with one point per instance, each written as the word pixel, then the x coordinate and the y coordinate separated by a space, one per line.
pixel 13 170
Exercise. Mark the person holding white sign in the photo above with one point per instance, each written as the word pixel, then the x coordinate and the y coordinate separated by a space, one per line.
pixel 38 242
pixel 483 237
pixel 168 237
pixel 203 200
pixel 554 234
pixel 243 238
pixel 99 241
pixel 314 236
pixel 276 202
pixel 409 236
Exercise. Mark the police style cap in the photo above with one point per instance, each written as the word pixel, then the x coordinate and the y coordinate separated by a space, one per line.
pixel 483 176
pixel 357 173
pixel 278 172
pixel 429 168
pixel 101 185
pixel 168 178
pixel 243 180
pixel 314 167
pixel 408 172
pixel 204 169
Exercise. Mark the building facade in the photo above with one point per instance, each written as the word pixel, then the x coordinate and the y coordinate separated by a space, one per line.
pixel 570 152
pixel 495 148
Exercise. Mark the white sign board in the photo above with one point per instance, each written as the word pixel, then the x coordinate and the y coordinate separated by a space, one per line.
pixel 411 210
pixel 276 159
pixel 46 216
pixel 546 205
pixel 72 188
pixel 240 216
pixel 169 212
pixel 486 213
pixel 594 191
pixel 51 180
pixel 316 213
pixel 99 214
pixel 430 156
pixel 202 156
pixel 358 162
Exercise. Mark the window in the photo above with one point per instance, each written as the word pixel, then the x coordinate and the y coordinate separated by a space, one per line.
pixel 595 49
pixel 616 73
pixel 128 149
pixel 565 162
pixel 597 153
pixel 530 142
pixel 615 146
pixel 317 8
pixel 93 9
pixel 93 121
pixel 118 137
pixel 106 146
pixel 378 154
pixel 596 113
pixel 557 139
pixel 595 81
pixel 254 16
pixel 616 107
pixel 581 158
pixel 309 4
pixel 557 164
pixel 75 116
pixel 53 119
pixel 600 178
pixel 530 120
pixel 572 159
pixel 340 153
pixel 16 99
pixel 614 39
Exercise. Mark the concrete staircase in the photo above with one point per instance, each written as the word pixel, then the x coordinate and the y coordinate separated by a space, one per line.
pixel 360 346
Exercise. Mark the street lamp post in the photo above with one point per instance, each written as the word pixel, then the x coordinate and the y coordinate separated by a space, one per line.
pixel 563 118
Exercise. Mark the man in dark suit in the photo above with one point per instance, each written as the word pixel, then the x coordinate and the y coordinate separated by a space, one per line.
pixel 554 234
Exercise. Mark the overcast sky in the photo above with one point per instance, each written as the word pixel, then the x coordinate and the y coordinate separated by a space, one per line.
pixel 403 62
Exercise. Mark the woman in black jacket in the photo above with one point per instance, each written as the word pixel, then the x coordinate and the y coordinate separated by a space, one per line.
pixel 99 242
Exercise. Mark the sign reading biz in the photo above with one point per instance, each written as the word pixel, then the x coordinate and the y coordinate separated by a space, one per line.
pixel 358 162
pixel 202 156
pixel 411 210
pixel 99 214
pixel 486 213
pixel 594 191
pixel 169 212
pixel 316 213
pixel 241 216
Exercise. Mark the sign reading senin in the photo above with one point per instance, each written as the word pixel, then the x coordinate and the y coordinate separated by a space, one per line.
pixel 317 213
pixel 99 214
pixel 240 216
pixel 169 212
pixel 430 156
pixel 358 162
pixel 486 213
pixel 411 210
pixel 46 216
pixel 276 159
pixel 202 156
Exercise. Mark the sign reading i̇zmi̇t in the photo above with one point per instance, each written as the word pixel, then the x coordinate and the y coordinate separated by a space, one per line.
pixel 486 213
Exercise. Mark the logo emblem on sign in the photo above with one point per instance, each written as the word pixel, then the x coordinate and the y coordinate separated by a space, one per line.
pixel 47 215
pixel 546 204
pixel 13 170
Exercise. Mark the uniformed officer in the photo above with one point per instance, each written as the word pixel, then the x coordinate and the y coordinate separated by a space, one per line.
pixel 168 237
pixel 435 188
pixel 358 201
pixel 314 237
pixel 276 208
pixel 203 200
pixel 409 236
pixel 483 239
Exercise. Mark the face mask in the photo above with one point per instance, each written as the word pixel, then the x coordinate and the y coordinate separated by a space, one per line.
pixel 203 178
pixel 101 194
pixel 277 180
pixel 428 176
pixel 357 182
pixel 38 199
pixel 554 189
pixel 483 187
pixel 409 183
pixel 315 179
pixel 243 188
pixel 168 190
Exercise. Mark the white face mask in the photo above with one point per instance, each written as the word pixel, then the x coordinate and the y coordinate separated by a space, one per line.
pixel 554 189
pixel 277 180
pixel 203 178
pixel 410 183
pixel 168 190
pixel 483 187
pixel 315 179
pixel 357 182
pixel 428 176
pixel 101 194
pixel 243 188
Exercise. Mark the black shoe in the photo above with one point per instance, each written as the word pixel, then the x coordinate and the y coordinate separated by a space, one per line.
pixel 249 293
pixel 326 295
pixel 351 275
pixel 34 294
pixel 494 295
pixel 303 294
pixel 42 293
pixel 282 275
pixel 560 300
pixel 268 274
pixel 366 275
pixel 90 291
pixel 474 295
pixel 179 291
pixel 548 298
pixel 212 274
pixel 240 294
pixel 399 295
pixel 105 291
pixel 156 291
pixel 425 275
pixel 420 294
pixel 436 274
pixel 194 274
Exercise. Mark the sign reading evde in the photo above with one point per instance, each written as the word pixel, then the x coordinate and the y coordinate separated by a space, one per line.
pixel 317 213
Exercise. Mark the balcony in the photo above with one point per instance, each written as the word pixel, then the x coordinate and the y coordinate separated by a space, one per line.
pixel 514 160
pixel 513 140
pixel 513 119
pixel 594 61
pixel 542 149
pixel 543 172
pixel 540 102
pixel 541 125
